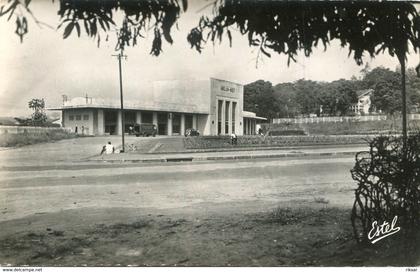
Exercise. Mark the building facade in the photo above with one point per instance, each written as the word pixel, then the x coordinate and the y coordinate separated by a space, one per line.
pixel 213 106
pixel 363 105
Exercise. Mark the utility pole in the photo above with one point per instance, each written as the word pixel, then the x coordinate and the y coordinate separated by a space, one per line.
pixel 119 56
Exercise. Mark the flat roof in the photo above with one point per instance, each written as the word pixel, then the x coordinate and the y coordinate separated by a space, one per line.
pixel 166 109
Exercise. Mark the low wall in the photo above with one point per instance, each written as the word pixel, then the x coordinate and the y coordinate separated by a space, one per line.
pixel 30 130
pixel 334 119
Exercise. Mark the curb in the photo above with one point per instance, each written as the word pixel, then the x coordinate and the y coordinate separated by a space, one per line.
pixel 233 157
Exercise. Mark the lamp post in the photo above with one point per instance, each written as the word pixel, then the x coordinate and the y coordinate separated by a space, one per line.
pixel 119 56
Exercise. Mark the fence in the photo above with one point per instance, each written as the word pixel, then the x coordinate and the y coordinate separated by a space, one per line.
pixel 30 130
pixel 335 119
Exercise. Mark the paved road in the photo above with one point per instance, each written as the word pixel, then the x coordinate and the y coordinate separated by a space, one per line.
pixel 194 186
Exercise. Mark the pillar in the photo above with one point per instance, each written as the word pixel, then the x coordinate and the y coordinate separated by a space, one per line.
pixel 63 123
pixel 138 117
pixel 195 121
pixel 230 118
pixel 155 119
pixel 119 123
pixel 101 122
pixel 182 132
pixel 170 116
pixel 223 119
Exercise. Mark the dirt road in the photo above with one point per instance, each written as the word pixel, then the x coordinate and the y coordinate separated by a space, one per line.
pixel 65 210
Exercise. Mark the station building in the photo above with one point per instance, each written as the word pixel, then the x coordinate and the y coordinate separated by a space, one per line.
pixel 213 106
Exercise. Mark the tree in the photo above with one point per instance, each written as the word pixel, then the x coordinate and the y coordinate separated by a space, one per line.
pixel 387 89
pixel 283 27
pixel 259 98
pixel 39 118
pixel 288 27
pixel 96 18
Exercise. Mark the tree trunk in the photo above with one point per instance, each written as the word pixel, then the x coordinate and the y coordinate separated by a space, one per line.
pixel 401 58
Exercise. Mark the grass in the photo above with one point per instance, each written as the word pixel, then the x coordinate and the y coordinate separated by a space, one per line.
pixel 213 142
pixel 296 236
pixel 349 128
pixel 16 140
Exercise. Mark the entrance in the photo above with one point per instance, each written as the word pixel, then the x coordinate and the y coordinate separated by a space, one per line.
pixel 188 121
pixel 176 124
pixel 162 124
pixel 111 118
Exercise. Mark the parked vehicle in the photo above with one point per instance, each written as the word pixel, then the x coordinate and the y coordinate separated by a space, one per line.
pixel 191 132
pixel 145 130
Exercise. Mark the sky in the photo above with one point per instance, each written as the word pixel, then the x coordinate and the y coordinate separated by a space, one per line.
pixel 47 66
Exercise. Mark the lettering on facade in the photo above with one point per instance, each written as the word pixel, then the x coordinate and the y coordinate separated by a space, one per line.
pixel 227 89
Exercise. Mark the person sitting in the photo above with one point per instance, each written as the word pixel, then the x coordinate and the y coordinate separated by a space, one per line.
pixel 108 149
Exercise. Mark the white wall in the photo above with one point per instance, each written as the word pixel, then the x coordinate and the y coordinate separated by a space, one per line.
pixel 72 124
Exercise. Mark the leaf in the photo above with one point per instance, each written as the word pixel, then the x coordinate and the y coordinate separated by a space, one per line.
pixel 229 37
pixel 68 30
pixel 86 27
pixel 78 29
pixel 265 52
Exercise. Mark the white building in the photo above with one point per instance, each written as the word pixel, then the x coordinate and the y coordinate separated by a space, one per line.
pixel 363 102
pixel 213 106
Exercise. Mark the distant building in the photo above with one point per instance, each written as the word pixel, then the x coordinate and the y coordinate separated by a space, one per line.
pixel 213 106
pixel 363 105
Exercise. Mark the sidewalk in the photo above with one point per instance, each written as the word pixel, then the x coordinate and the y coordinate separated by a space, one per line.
pixel 232 154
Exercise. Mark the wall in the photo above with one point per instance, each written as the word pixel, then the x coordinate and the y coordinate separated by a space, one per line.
pixel 226 90
pixel 72 124
pixel 26 129
pixel 363 118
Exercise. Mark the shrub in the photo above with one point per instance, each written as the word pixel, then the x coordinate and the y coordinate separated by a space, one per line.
pixel 388 179
pixel 28 138
pixel 206 142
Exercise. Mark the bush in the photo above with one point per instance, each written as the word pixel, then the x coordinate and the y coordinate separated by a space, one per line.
pixel 388 185
pixel 206 142
pixel 349 127
pixel 28 138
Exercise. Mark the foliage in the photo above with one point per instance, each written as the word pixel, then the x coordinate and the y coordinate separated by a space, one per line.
pixel 304 97
pixel 349 127
pixel 259 98
pixel 96 18
pixel 388 180
pixel 287 27
pixel 251 141
pixel 39 118
pixel 29 137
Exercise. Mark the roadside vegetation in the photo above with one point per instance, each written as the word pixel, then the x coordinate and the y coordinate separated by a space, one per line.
pixel 305 97
pixel 207 142
pixel 21 139
pixel 346 127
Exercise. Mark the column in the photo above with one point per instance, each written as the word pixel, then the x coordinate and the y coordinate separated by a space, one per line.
pixel 155 119
pixel 170 116
pixel 119 123
pixel 195 122
pixel 182 132
pixel 138 117
pixel 101 122
pixel 230 118
pixel 63 124
pixel 223 119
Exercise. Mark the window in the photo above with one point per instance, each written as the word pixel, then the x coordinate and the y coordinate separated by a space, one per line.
pixel 78 117
pixel 71 117
pixel 86 117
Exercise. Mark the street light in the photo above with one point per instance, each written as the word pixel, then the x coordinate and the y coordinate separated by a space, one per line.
pixel 119 56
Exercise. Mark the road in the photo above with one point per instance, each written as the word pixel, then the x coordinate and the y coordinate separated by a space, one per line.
pixel 50 185
pixel 57 207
